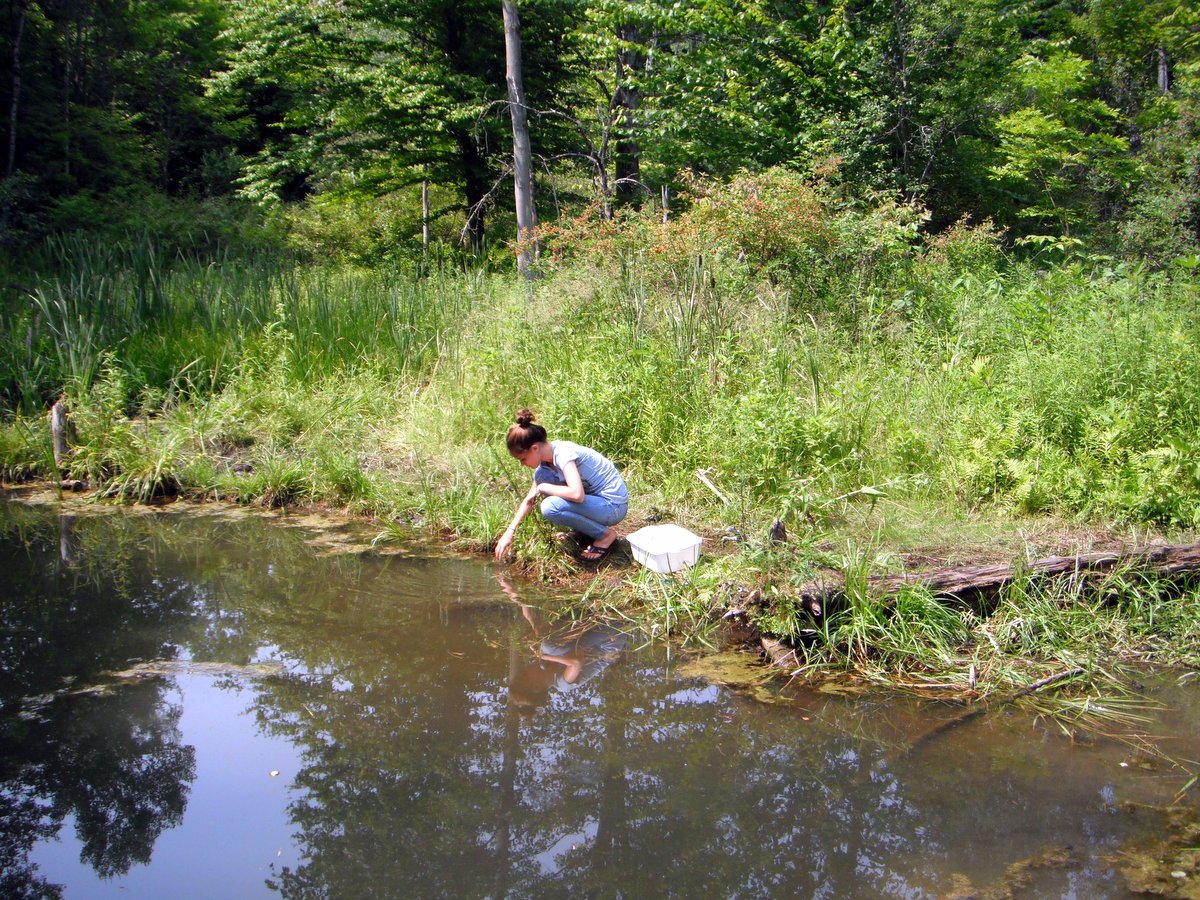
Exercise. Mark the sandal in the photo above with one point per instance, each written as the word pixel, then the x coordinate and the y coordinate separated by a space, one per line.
pixel 592 553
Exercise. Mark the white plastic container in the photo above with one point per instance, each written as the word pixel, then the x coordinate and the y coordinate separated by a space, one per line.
pixel 665 548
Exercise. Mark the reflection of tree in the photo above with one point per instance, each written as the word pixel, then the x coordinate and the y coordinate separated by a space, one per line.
pixel 419 779
pixel 124 785
pixel 113 762
pixel 24 823
pixel 415 762
pixel 392 763
pixel 90 594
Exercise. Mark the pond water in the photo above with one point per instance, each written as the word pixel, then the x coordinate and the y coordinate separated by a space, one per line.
pixel 201 704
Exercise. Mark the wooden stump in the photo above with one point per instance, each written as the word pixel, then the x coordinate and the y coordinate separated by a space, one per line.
pixel 60 427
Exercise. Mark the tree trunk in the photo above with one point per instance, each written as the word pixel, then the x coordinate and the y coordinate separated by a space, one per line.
pixel 60 432
pixel 10 166
pixel 70 47
pixel 522 155
pixel 626 100
pixel 476 187
pixel 901 36
pixel 1164 71
pixel 425 215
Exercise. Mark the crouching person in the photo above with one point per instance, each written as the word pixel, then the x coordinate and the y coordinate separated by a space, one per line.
pixel 579 488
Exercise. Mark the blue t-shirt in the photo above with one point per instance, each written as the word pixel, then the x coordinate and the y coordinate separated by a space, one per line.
pixel 599 476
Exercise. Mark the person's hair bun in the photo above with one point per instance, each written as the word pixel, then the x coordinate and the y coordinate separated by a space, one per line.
pixel 524 433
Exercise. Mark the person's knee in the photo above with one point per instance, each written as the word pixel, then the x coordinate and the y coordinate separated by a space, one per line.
pixel 553 507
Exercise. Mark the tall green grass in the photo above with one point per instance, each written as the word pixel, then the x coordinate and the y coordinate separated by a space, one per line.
pixel 813 366
pixel 808 373
pixel 191 320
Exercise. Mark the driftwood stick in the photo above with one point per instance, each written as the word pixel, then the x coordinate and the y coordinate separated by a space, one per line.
pixel 779 653
pixel 976 711
pixel 702 474
pixel 1041 683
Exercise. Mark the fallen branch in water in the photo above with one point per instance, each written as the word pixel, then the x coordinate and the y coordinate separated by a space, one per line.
pixel 779 653
pixel 986 706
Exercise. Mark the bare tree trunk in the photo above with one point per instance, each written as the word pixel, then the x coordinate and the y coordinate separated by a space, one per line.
pixel 899 47
pixel 626 99
pixel 475 186
pixel 522 154
pixel 10 167
pixel 425 215
pixel 603 190
pixel 66 539
pixel 509 760
pixel 1164 72
pixel 70 47
pixel 60 431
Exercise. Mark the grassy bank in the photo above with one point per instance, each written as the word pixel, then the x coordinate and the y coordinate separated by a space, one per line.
pixel 885 396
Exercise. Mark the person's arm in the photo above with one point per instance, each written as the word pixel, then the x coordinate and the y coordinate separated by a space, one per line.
pixel 572 490
pixel 523 509
pixel 526 609
pixel 572 666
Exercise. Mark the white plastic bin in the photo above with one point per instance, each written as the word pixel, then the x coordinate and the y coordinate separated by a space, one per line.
pixel 665 548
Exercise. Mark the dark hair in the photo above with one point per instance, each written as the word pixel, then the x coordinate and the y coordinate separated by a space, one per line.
pixel 524 433
pixel 530 687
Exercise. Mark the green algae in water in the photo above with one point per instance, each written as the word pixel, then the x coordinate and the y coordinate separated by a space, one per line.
pixel 1017 877
pixel 1170 868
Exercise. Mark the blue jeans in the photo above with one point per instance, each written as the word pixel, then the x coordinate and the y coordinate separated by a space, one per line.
pixel 592 515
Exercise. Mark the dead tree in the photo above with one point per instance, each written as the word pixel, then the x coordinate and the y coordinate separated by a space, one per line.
pixel 522 154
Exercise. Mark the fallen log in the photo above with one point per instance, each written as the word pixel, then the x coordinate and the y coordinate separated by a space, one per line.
pixel 981 582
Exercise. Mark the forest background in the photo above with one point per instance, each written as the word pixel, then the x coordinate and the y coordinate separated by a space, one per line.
pixel 905 276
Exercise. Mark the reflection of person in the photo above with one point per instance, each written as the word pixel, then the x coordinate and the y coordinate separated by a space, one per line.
pixel 562 664
pixel 563 660
pixel 582 488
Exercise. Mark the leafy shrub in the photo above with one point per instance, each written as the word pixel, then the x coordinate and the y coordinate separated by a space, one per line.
pixel 774 226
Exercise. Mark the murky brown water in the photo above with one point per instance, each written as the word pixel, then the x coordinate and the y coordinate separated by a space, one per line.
pixel 398 726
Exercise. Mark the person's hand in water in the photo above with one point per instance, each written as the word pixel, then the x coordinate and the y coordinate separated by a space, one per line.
pixel 504 545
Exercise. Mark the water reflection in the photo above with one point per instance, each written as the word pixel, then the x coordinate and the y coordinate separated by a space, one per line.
pixel 113 763
pixel 449 740
pixel 561 656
